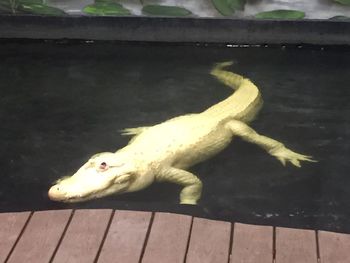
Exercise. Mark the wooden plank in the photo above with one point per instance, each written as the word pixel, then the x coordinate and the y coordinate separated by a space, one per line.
pixel 209 242
pixel 84 236
pixel 334 247
pixel 11 225
pixel 168 238
pixel 252 244
pixel 295 245
pixel 40 237
pixel 126 237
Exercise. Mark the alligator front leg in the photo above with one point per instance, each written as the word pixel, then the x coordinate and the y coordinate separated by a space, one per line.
pixel 133 131
pixel 273 147
pixel 192 190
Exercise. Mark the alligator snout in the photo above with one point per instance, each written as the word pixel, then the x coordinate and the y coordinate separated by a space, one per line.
pixel 56 193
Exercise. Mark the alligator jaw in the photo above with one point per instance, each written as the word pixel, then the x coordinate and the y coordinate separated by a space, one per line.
pixel 59 193
pixel 55 195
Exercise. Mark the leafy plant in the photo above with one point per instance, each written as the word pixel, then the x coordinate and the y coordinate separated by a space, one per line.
pixel 106 8
pixel 343 2
pixel 5 7
pixel 281 14
pixel 228 7
pixel 39 9
pixel 164 10
pixel 340 18
pixel 36 7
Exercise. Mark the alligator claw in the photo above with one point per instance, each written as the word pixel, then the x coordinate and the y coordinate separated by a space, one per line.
pixel 285 155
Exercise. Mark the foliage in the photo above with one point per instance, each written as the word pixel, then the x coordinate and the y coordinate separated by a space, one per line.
pixel 113 8
pixel 228 7
pixel 339 18
pixel 36 7
pixel 39 9
pixel 343 2
pixel 106 8
pixel 281 14
pixel 163 10
pixel 5 7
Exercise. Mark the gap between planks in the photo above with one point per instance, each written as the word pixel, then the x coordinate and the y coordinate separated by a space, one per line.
pixel 147 237
pixel 62 236
pixel 19 236
pixel 320 256
pixel 105 235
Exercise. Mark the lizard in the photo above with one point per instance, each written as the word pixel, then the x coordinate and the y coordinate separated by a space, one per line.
pixel 164 152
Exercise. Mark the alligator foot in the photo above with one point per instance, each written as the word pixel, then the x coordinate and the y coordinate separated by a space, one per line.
pixel 285 155
pixel 192 190
pixel 188 201
pixel 273 147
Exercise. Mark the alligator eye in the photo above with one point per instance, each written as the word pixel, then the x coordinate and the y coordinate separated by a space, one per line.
pixel 103 166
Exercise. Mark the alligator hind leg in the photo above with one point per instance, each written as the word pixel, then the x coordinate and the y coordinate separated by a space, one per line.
pixel 192 190
pixel 273 147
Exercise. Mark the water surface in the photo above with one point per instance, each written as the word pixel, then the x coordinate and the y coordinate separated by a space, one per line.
pixel 61 103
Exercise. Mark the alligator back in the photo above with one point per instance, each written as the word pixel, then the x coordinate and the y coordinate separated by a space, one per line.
pixel 244 104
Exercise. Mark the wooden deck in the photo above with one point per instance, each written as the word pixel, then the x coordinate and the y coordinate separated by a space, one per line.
pixel 127 236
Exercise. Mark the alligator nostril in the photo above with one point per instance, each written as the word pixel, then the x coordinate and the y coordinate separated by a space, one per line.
pixel 55 193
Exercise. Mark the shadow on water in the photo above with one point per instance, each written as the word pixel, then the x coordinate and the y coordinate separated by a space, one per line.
pixel 62 103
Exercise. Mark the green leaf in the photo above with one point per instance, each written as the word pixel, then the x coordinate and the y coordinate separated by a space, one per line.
pixel 228 7
pixel 39 9
pixel 223 7
pixel 29 2
pixel 343 2
pixel 5 7
pixel 281 14
pixel 164 10
pixel 106 1
pixel 236 4
pixel 340 18
pixel 5 3
pixel 106 9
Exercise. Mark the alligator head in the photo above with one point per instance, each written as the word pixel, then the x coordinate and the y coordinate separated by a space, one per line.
pixel 103 174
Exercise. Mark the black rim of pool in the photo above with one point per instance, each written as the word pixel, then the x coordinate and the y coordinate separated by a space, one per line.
pixel 176 30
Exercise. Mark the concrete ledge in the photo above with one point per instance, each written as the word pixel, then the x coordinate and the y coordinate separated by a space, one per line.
pixel 160 29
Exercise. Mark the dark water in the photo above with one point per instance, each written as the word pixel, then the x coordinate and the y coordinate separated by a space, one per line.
pixel 62 103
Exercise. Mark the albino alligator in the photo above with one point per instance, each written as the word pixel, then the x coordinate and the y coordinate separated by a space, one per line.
pixel 165 151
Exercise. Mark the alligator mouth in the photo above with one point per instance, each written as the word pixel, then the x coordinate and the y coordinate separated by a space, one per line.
pixel 71 199
pixel 76 199
pixel 62 193
pixel 54 194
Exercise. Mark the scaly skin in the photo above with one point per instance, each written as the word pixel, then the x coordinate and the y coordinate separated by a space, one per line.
pixel 165 151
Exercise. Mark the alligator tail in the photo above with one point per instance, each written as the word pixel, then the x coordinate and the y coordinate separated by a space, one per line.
pixel 243 104
pixel 230 79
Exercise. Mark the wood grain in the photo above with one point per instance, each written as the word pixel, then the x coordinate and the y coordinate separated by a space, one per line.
pixel 132 238
pixel 168 238
pixel 334 247
pixel 40 237
pixel 84 236
pixel 209 242
pixel 11 225
pixel 295 245
pixel 252 244
pixel 126 237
